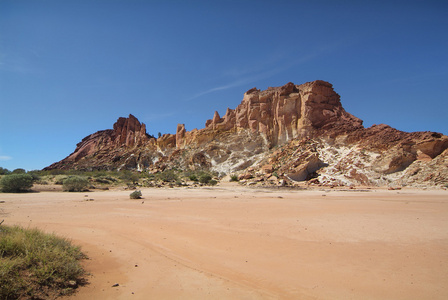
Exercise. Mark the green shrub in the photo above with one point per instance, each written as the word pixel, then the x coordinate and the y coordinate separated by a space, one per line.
pixel 213 182
pixel 193 177
pixel 57 172
pixel 19 171
pixel 4 171
pixel 129 176
pixel 59 179
pixel 205 178
pixel 75 184
pixel 34 265
pixel 168 176
pixel 136 195
pixel 147 175
pixel 105 179
pixel 36 177
pixel 101 173
pixel 41 182
pixel 16 183
pixel 233 177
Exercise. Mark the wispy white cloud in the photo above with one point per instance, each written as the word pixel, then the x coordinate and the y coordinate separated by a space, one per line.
pixel 5 157
pixel 253 76
pixel 20 61
pixel 278 63
pixel 17 68
pixel 220 88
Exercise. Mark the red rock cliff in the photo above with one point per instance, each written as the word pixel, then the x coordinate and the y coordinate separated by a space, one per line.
pixel 287 112
pixel 129 132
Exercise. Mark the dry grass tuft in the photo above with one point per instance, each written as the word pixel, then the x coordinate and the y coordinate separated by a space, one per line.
pixel 36 265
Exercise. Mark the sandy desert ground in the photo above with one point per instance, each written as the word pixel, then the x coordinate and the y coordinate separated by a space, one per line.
pixel 231 242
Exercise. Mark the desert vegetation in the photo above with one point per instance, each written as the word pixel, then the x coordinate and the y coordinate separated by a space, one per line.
pixel 35 265
pixel 178 177
pixel 4 171
pixel 20 180
pixel 136 195
pixel 75 184
pixel 16 183
pixel 233 177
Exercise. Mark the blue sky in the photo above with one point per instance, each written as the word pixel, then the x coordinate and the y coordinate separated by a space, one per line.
pixel 71 68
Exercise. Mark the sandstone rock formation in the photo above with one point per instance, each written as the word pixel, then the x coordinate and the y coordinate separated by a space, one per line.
pixel 104 147
pixel 129 132
pixel 297 132
pixel 386 158
pixel 287 112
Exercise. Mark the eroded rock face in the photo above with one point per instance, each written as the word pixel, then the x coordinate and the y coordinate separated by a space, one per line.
pixel 424 173
pixel 315 139
pixel 287 112
pixel 129 132
pixel 335 162
pixel 111 148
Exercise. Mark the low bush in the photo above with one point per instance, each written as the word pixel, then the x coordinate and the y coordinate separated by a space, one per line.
pixel 42 182
pixel 4 171
pixel 205 178
pixel 100 173
pixel 75 184
pixel 59 179
pixel 193 177
pixel 16 183
pixel 19 171
pixel 136 195
pixel 168 176
pixel 129 176
pixel 35 175
pixel 233 177
pixel 104 179
pixel 35 265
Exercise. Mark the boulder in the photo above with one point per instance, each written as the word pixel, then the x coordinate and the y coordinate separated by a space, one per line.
pixel 267 169
pixel 304 171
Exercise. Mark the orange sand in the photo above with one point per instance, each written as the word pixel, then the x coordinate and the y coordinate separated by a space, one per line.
pixel 230 242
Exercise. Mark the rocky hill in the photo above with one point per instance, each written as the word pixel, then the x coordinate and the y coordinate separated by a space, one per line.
pixel 293 132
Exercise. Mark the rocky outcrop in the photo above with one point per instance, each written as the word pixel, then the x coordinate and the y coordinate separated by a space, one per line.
pixel 107 147
pixel 288 112
pixel 424 173
pixel 334 162
pixel 180 136
pixel 129 132
pixel 293 133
